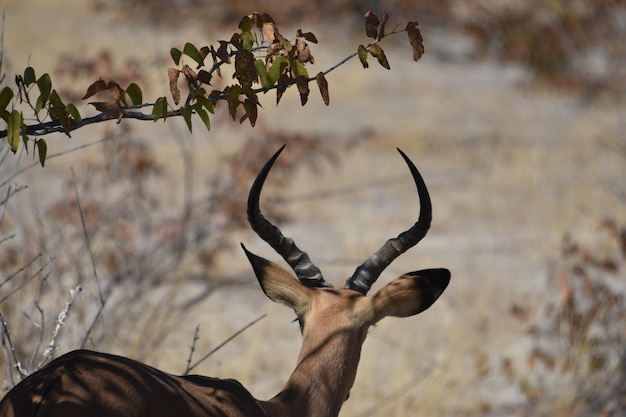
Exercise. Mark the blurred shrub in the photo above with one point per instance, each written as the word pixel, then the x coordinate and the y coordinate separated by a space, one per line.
pixel 135 253
pixel 294 12
pixel 578 362
pixel 577 44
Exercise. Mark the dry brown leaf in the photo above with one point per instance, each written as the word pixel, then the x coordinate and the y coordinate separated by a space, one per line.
pixel 371 24
pixel 204 77
pixel 105 106
pixel 304 52
pixel 190 75
pixel 204 51
pixel 309 36
pixel 116 92
pixel 214 57
pixel 269 32
pixel 95 88
pixel 416 40
pixel 222 52
pixel 303 89
pixel 283 80
pixel 110 86
pixel 267 18
pixel 214 95
pixel 172 74
pixel 322 83
pixel 383 20
pixel 244 66
pixel 236 41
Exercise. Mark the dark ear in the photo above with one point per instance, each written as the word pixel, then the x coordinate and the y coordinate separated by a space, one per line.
pixel 278 284
pixel 405 296
pixel 432 283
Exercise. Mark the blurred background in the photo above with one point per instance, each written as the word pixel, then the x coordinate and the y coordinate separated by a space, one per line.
pixel 514 116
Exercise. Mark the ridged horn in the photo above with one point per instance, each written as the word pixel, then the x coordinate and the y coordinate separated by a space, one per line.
pixel 305 270
pixel 366 274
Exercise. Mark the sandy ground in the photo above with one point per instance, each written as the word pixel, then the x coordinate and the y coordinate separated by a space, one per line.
pixel 511 168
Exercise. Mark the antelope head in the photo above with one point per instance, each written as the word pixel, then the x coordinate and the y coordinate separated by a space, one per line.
pixel 334 322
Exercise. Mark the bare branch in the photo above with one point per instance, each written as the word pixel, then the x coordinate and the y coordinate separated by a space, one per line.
pixel 221 345
pixel 8 349
pixel 126 112
pixel 192 349
pixel 86 237
pixel 52 346
pixel 16 273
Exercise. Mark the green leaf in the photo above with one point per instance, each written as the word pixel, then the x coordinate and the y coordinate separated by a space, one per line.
pixel 42 150
pixel 261 71
pixel 378 53
pixel 176 55
pixel 29 76
pixel 135 94
pixel 246 24
pixel 277 68
pixel 187 112
pixel 58 111
pixel 299 69
pixel 5 98
pixel 204 116
pixel 287 45
pixel 192 52
pixel 233 100
pixel 25 140
pixel 14 127
pixel 202 101
pixel 159 111
pixel 73 111
pixel 363 56
pixel 248 39
pixel 45 87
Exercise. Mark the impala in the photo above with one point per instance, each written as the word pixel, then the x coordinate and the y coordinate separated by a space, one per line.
pixel 334 323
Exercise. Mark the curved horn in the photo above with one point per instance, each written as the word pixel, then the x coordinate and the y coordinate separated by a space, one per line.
pixel 366 274
pixel 305 270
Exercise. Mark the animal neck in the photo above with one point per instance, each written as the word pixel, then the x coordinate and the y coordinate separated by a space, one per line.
pixel 323 377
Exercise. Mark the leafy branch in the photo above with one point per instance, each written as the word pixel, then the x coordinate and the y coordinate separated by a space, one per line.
pixel 262 60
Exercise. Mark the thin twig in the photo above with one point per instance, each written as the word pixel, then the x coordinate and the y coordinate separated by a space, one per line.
pixel 95 319
pixel 56 155
pixel 86 237
pixel 192 349
pixel 102 296
pixel 6 238
pixel 8 350
pixel 41 325
pixel 53 346
pixel 221 345
pixel 16 273
pixel 11 191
